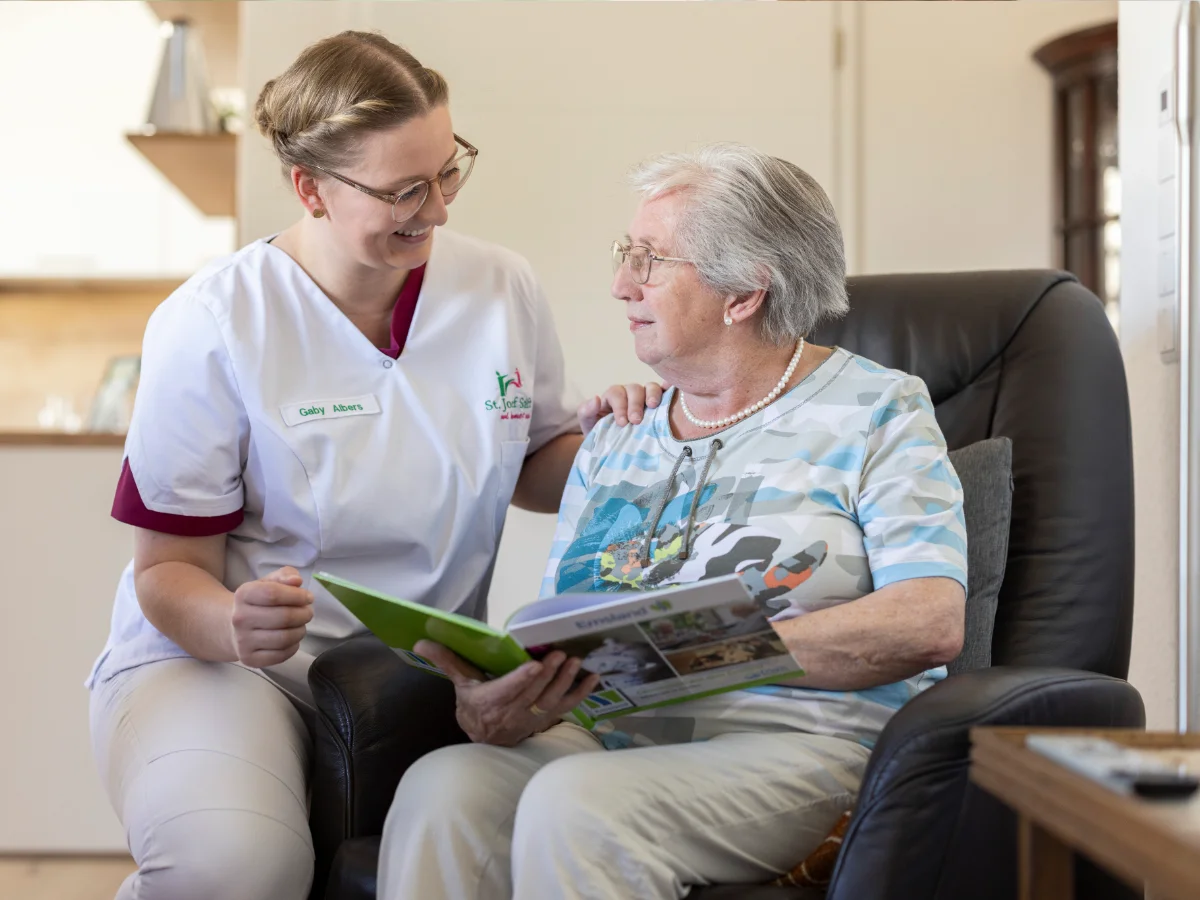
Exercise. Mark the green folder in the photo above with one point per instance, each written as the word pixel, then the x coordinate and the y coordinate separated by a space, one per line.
pixel 546 624
pixel 401 623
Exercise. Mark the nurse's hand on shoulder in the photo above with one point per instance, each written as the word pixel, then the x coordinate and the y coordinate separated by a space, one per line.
pixel 626 402
pixel 506 710
pixel 269 616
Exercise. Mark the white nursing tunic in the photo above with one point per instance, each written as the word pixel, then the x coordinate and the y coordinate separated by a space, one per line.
pixel 263 410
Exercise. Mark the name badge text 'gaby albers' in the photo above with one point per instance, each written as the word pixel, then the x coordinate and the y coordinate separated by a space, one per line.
pixel 307 411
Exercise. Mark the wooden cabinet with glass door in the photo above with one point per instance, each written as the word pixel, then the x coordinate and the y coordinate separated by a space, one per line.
pixel 1087 195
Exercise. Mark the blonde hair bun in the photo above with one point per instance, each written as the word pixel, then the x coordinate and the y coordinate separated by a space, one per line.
pixel 338 89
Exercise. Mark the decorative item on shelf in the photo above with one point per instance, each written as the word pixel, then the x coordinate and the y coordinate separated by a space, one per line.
pixel 58 414
pixel 1087 197
pixel 181 102
pixel 112 408
pixel 230 106
pixel 191 132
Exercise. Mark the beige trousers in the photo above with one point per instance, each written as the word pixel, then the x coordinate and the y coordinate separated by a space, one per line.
pixel 206 766
pixel 560 818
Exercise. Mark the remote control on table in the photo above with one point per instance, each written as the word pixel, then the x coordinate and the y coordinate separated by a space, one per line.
pixel 1117 768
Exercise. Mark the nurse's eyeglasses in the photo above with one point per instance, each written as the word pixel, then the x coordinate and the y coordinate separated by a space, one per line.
pixel 407 201
pixel 640 260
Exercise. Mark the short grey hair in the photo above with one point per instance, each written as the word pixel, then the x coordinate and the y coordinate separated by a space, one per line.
pixel 754 221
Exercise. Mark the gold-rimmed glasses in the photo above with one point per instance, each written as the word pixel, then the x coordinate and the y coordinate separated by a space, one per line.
pixel 407 201
pixel 640 260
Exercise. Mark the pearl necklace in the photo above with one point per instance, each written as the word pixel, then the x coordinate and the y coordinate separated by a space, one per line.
pixel 752 408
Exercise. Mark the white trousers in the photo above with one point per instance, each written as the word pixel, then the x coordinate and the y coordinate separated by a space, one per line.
pixel 206 766
pixel 559 817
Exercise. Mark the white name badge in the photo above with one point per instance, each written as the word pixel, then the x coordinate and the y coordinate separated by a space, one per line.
pixel 298 413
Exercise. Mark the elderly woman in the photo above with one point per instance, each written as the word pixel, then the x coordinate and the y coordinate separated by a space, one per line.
pixel 818 475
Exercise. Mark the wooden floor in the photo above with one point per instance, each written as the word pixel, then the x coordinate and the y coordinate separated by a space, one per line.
pixel 62 877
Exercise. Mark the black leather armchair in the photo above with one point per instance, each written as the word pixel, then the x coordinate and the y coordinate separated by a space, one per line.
pixel 1027 355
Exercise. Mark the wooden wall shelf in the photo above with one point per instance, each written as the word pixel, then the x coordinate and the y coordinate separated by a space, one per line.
pixel 202 166
pixel 58 337
pixel 87 285
pixel 60 439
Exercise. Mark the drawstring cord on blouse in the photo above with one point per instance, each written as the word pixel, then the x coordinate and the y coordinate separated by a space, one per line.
pixel 666 497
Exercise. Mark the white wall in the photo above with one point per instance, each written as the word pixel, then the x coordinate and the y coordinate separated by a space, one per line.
pixel 1146 42
pixel 77 198
pixel 956 132
pixel 562 99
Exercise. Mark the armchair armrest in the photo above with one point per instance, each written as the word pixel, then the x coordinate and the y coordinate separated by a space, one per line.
pixel 375 717
pixel 920 829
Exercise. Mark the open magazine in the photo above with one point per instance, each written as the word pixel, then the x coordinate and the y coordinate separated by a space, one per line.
pixel 649 649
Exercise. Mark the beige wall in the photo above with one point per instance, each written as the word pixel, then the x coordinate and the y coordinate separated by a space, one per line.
pixel 956 132
pixel 575 97
pixel 1146 41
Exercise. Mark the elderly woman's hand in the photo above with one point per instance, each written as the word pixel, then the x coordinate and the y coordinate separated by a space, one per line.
pixel 506 710
pixel 627 403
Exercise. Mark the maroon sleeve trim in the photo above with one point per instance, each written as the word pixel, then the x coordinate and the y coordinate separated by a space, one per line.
pixel 129 508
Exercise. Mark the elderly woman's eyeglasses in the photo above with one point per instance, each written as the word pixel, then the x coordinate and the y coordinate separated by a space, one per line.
pixel 640 260
pixel 407 201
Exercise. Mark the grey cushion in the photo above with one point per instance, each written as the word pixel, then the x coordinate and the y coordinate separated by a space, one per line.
pixel 985 470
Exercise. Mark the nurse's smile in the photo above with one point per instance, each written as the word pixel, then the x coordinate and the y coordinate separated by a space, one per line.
pixel 414 236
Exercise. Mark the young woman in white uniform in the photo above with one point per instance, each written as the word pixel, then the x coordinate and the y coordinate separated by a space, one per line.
pixel 364 393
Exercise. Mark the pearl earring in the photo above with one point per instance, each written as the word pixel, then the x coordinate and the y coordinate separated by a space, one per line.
pixel 728 319
pixel 318 213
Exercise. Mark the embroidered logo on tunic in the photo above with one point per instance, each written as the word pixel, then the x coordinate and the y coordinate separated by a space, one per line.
pixel 513 402
pixel 507 381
